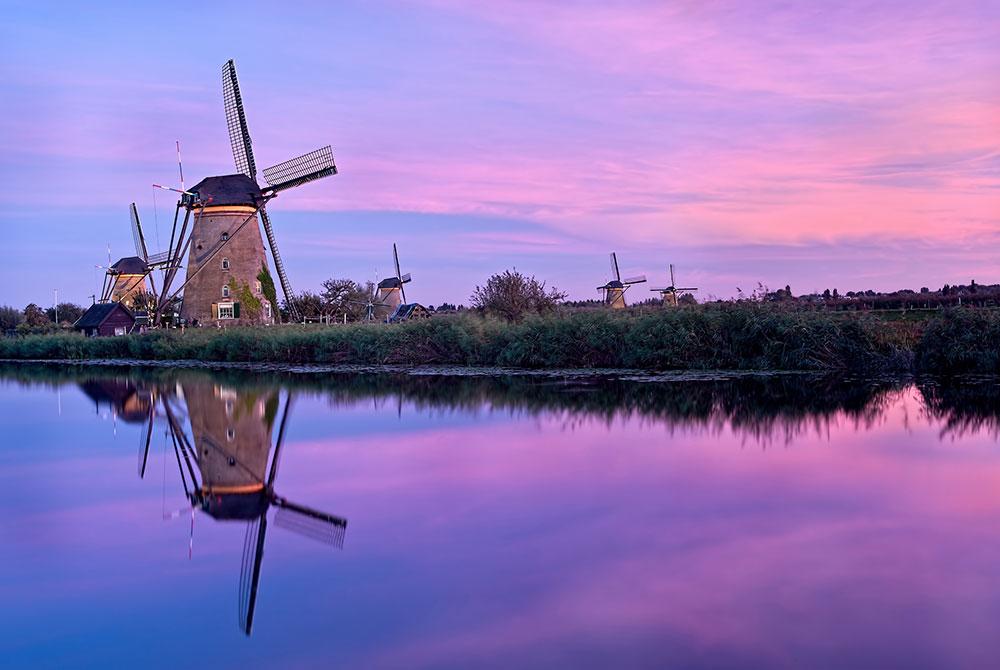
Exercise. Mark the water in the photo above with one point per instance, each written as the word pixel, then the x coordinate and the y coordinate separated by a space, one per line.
pixel 527 521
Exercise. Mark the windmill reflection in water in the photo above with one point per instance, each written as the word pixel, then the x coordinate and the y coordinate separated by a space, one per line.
pixel 226 471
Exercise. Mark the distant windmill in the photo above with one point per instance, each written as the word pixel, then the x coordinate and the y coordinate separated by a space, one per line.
pixel 669 293
pixel 227 271
pixel 614 290
pixel 390 292
pixel 370 305
pixel 128 276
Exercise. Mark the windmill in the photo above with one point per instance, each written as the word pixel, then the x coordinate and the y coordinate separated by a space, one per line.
pixel 614 290
pixel 127 278
pixel 370 305
pixel 226 473
pixel 669 293
pixel 227 278
pixel 390 293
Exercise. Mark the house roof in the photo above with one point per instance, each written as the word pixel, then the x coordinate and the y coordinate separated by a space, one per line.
pixel 230 189
pixel 406 310
pixel 99 313
pixel 130 265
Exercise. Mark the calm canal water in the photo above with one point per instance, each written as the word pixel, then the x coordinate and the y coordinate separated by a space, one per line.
pixel 416 520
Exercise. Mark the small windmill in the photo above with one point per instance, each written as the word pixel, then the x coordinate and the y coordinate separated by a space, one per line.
pixel 669 293
pixel 390 292
pixel 370 305
pixel 614 290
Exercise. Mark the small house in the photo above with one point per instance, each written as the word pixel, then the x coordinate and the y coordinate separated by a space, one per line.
pixel 408 312
pixel 105 319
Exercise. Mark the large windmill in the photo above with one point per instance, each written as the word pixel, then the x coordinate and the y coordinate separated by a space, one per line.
pixel 226 473
pixel 390 293
pixel 614 290
pixel 227 279
pixel 669 293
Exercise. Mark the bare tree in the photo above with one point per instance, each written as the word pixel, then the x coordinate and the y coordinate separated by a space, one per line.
pixel 345 296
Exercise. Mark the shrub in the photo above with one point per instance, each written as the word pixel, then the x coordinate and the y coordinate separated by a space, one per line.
pixel 512 295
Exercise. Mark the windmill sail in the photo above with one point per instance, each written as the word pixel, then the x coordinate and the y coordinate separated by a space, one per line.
pixel 310 523
pixel 140 241
pixel 300 170
pixel 239 138
pixel 236 121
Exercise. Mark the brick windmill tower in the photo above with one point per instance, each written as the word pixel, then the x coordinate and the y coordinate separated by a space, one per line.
pixel 228 281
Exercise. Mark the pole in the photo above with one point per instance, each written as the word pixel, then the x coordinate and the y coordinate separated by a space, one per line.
pixel 55 303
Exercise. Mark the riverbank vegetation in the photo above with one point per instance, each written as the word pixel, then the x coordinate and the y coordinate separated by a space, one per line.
pixel 735 336
pixel 515 321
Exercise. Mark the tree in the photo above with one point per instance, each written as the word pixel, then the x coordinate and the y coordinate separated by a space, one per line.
pixel 143 301
pixel 10 317
pixel 686 299
pixel 310 305
pixel 512 295
pixel 826 294
pixel 35 317
pixel 68 312
pixel 345 296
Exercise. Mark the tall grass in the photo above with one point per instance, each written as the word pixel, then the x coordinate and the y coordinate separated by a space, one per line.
pixel 748 337
pixel 961 341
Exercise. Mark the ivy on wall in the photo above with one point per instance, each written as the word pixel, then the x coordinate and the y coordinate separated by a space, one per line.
pixel 250 304
pixel 267 288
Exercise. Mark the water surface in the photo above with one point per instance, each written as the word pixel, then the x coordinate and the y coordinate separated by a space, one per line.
pixel 417 520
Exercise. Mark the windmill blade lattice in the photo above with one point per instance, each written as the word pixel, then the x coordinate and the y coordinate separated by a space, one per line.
pixel 300 170
pixel 310 523
pixel 236 121
pixel 137 237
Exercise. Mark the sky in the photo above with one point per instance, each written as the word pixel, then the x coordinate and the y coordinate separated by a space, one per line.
pixel 821 145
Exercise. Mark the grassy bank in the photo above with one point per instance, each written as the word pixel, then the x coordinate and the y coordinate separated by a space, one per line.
pixel 739 337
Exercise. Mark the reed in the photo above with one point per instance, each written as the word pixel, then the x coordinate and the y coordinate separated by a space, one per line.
pixel 736 336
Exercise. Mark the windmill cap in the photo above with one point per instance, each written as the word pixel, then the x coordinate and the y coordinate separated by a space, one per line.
pixel 228 190
pixel 130 265
pixel 389 282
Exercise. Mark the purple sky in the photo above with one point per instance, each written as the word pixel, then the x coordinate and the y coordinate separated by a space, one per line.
pixel 818 145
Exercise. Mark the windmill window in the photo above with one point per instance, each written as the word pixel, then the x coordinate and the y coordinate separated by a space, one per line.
pixel 267 310
pixel 256 286
pixel 227 310
pixel 230 434
pixel 225 263
pixel 225 290
pixel 225 237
